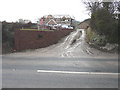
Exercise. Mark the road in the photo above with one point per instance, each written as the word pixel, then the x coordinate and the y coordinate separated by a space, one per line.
pixel 21 72
pixel 64 65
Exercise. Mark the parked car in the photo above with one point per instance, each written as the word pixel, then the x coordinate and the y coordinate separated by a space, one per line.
pixel 67 27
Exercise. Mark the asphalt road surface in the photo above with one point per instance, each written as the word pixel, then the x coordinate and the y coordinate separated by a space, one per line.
pixel 69 64
pixel 47 72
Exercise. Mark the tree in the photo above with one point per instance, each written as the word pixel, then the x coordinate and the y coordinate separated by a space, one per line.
pixel 103 19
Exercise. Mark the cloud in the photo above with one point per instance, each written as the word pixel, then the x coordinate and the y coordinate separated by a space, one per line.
pixel 12 10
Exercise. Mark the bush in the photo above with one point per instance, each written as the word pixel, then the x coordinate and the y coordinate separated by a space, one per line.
pixel 89 35
pixel 94 38
pixel 104 24
pixel 98 40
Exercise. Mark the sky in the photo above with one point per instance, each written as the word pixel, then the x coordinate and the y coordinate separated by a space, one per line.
pixel 12 10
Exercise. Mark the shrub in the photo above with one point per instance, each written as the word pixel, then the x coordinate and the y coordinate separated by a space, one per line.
pixel 89 34
pixel 99 40
pixel 94 38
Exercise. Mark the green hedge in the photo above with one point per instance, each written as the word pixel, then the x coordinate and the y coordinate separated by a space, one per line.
pixel 94 38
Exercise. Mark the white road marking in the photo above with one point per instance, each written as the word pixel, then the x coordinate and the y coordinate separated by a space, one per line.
pixel 72 72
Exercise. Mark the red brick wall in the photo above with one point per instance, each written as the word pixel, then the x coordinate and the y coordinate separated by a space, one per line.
pixel 30 39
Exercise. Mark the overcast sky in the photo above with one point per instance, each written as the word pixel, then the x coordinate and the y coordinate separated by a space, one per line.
pixel 12 10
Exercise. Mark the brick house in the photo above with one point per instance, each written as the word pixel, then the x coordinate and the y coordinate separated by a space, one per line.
pixel 50 20
pixel 84 24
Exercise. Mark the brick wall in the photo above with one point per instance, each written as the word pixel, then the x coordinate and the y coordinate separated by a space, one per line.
pixel 25 39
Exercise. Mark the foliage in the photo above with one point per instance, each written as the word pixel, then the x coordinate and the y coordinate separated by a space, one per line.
pixel 89 35
pixel 98 40
pixel 104 21
pixel 8 34
pixel 74 24
pixel 94 38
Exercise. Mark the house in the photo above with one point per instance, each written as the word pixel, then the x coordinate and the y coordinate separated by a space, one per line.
pixel 51 22
pixel 55 20
pixel 84 24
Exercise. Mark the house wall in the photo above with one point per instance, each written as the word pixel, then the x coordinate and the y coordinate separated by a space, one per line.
pixel 83 25
pixel 25 39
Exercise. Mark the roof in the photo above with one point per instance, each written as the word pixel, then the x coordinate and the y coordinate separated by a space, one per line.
pixel 87 21
pixel 52 22
pixel 50 16
pixel 58 16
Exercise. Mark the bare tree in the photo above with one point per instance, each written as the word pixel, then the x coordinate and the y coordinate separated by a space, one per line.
pixel 92 5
